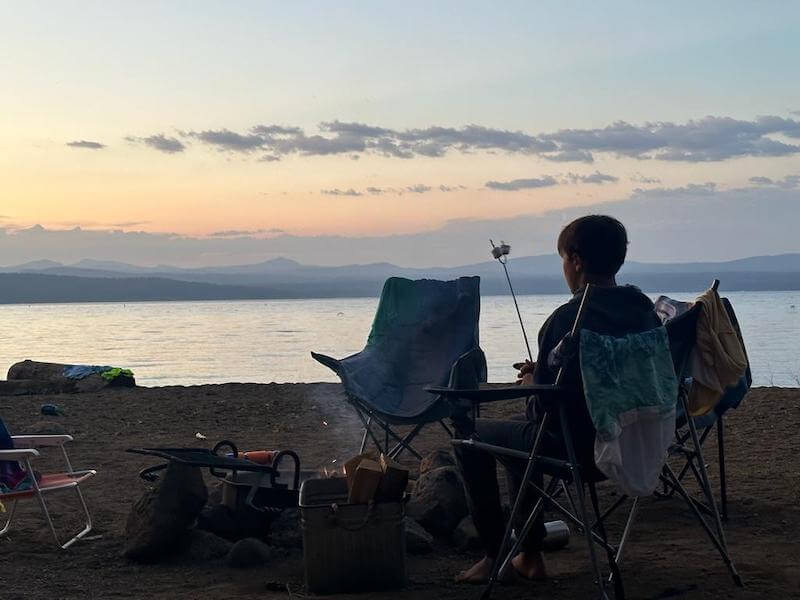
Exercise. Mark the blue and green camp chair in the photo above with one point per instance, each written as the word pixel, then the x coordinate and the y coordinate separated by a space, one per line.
pixel 425 333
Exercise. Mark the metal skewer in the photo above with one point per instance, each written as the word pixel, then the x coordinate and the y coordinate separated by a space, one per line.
pixel 501 253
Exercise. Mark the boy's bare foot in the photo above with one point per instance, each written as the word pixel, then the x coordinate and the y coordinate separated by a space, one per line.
pixel 530 565
pixel 480 571
pixel 477 573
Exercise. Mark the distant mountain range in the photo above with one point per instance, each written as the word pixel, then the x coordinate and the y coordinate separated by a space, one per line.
pixel 96 280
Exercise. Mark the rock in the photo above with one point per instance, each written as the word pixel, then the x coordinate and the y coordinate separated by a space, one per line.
pixel 219 520
pixel 50 378
pixel 158 524
pixel 205 546
pixel 418 541
pixel 248 552
pixel 436 459
pixel 465 535
pixel 439 501
pixel 51 427
pixel 285 531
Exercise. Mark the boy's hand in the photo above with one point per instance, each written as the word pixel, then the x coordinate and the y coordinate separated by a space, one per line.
pixel 525 375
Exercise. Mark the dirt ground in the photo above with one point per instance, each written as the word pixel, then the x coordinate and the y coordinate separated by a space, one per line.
pixel 668 556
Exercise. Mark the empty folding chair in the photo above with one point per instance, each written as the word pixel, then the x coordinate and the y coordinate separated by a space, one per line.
pixel 713 420
pixel 22 482
pixel 424 332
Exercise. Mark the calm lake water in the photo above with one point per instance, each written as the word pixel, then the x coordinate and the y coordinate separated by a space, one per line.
pixel 167 343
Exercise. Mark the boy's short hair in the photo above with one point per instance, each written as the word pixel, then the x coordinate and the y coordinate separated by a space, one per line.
pixel 600 241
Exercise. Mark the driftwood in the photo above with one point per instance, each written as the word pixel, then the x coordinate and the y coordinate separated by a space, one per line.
pixel 32 377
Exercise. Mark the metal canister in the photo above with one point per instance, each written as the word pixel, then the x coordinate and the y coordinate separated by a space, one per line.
pixel 557 535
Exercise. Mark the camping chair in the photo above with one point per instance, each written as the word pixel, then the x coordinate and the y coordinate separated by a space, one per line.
pixel 576 473
pixel 424 332
pixel 21 455
pixel 707 423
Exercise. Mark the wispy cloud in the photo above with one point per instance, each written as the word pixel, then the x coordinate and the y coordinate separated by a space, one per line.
pixel 789 182
pixel 522 184
pixel 515 185
pixel 89 145
pixel 712 138
pixel 418 188
pixel 160 142
pixel 224 139
pixel 708 139
pixel 639 178
pixel 227 233
pixel 570 156
pixel 338 192
pixel 597 178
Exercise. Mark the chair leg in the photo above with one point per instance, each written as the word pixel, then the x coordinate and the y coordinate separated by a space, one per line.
pixel 723 482
pixel 523 489
pixel 7 526
pixel 587 530
pixel 368 430
pixel 364 437
pixel 625 533
pixel 669 474
pixel 87 526
pixel 404 443
pixel 704 483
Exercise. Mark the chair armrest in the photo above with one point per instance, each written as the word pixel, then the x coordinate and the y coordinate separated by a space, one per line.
pixel 496 394
pixel 28 441
pixel 18 454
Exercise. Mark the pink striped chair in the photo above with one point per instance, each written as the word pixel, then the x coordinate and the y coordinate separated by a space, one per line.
pixel 23 452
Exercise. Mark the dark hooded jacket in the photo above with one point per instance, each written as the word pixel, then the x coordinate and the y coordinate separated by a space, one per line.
pixel 615 311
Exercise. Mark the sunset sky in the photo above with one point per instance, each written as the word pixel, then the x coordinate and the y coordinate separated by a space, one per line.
pixel 267 119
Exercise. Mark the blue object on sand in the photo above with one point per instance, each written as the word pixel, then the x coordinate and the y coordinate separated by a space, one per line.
pixel 51 410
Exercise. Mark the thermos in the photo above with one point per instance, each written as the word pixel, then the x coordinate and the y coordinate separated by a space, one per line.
pixel 557 535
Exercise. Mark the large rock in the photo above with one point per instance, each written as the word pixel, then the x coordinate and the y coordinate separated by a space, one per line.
pixel 158 524
pixel 248 552
pixel 465 535
pixel 41 377
pixel 205 546
pixel 418 541
pixel 439 501
pixel 435 460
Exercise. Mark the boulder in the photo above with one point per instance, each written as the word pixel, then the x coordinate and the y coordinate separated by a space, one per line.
pixel 435 460
pixel 439 501
pixel 159 522
pixel 285 531
pixel 204 546
pixel 45 428
pixel 41 377
pixel 465 535
pixel 247 553
pixel 418 541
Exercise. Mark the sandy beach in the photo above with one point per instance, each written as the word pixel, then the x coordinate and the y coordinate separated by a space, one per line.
pixel 668 557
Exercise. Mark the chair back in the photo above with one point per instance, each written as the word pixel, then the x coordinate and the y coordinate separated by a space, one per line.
pixel 421 329
pixel 682 333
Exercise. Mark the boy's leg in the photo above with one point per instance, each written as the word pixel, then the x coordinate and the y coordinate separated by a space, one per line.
pixel 479 470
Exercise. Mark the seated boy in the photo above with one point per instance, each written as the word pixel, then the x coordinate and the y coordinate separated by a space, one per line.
pixel 593 249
